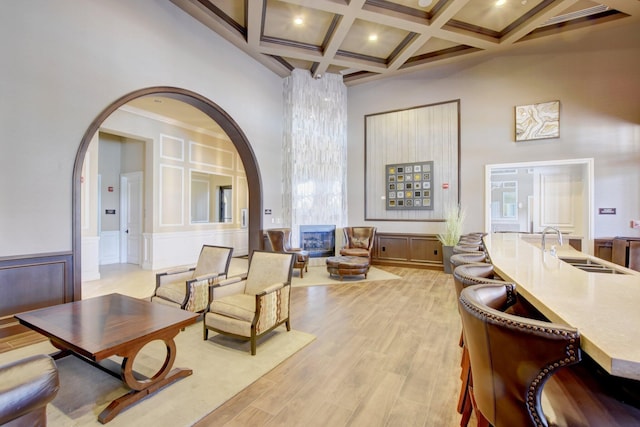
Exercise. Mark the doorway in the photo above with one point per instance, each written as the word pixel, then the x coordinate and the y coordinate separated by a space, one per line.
pixel 131 202
pixel 209 108
pixel 529 196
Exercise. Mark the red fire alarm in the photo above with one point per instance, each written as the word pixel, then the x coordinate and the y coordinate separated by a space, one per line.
pixel 110 189
pixel 445 185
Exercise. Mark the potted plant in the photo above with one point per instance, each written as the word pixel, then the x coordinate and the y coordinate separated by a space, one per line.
pixel 454 222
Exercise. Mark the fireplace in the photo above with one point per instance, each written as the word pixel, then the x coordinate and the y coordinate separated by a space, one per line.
pixel 319 240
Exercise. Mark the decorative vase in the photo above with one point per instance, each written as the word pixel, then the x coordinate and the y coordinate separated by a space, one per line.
pixel 447 251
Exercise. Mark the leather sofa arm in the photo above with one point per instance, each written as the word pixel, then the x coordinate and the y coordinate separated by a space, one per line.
pixel 27 386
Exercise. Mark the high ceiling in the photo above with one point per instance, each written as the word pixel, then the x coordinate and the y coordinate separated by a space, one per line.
pixel 369 39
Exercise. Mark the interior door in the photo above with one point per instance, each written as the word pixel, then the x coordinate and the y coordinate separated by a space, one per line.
pixel 560 192
pixel 131 217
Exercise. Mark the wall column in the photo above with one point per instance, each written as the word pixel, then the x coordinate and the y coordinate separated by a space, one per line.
pixel 314 151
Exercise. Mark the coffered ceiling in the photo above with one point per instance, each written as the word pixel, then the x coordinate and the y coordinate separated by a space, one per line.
pixel 369 39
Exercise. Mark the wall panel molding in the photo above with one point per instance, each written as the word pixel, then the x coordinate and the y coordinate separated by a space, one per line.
pixel 30 282
pixel 418 134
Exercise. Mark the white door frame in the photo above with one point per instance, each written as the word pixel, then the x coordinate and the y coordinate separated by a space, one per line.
pixel 587 163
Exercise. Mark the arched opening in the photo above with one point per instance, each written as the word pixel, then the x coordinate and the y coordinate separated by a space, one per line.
pixel 209 108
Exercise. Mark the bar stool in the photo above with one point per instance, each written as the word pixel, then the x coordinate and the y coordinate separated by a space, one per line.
pixel 461 248
pixel 531 373
pixel 467 258
pixel 466 275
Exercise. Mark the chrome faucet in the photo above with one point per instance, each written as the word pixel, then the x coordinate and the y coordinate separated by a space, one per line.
pixel 544 234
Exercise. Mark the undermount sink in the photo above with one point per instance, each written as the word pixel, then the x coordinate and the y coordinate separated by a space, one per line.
pixel 590 266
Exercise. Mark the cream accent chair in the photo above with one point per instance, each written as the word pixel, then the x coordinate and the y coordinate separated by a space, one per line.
pixel 358 241
pixel 252 304
pixel 188 288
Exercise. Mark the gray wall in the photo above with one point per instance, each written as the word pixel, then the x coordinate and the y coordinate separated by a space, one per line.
pixel 65 61
pixel 598 89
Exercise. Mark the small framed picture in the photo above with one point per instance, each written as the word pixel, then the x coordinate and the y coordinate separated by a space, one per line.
pixel 537 121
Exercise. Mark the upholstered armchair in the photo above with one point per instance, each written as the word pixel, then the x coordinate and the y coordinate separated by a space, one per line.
pixel 27 386
pixel 358 241
pixel 280 239
pixel 188 288
pixel 250 305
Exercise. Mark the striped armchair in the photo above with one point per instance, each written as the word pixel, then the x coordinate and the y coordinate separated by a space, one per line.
pixel 188 288
pixel 250 305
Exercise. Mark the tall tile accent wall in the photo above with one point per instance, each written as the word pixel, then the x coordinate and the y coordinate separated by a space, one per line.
pixel 314 151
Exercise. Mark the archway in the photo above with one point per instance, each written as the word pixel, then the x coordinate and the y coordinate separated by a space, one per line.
pixel 238 138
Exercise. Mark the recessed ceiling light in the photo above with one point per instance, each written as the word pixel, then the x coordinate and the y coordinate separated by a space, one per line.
pixel 298 20
pixel 424 3
pixel 501 3
pixel 373 37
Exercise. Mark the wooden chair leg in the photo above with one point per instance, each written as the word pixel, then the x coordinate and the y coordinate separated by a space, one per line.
pixel 482 421
pixel 464 393
pixel 466 413
pixel 465 376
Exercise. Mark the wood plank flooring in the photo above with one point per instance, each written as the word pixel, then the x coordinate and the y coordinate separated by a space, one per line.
pixel 386 354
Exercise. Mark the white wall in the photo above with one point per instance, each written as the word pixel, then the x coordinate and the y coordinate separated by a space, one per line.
pixel 65 61
pixel 598 91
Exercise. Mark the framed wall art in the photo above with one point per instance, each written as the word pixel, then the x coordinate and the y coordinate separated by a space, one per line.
pixel 401 144
pixel 409 186
pixel 538 121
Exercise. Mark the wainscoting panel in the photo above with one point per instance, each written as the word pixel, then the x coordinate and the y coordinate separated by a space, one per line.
pixel 163 250
pixel 35 281
pixel 109 247
pixel 90 258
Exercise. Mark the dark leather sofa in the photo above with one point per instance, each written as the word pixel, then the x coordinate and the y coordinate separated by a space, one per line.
pixel 26 387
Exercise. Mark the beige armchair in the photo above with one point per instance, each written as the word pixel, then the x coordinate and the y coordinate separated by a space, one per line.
pixel 188 288
pixel 250 305
pixel 358 241
pixel 280 239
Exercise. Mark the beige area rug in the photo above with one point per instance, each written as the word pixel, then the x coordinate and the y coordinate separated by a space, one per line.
pixel 318 275
pixel 221 366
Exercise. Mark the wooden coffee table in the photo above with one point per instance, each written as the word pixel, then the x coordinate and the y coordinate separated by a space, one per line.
pixel 114 325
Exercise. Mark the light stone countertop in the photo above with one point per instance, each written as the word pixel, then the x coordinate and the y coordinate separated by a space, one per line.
pixel 605 308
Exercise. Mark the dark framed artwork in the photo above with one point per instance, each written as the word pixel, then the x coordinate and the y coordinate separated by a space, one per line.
pixel 417 181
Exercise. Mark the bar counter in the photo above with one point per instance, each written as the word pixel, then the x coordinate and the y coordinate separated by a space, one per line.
pixel 605 308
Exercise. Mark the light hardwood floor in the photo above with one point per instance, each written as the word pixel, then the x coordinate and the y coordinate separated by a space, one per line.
pixel 386 354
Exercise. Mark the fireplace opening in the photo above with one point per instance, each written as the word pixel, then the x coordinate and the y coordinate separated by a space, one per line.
pixel 318 240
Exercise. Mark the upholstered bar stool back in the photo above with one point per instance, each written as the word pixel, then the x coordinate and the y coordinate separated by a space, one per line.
pixel 529 373
pixel 472 274
pixel 464 275
pixel 462 248
pixel 467 258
